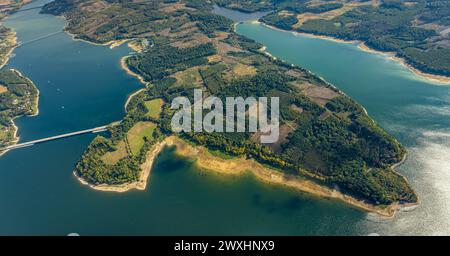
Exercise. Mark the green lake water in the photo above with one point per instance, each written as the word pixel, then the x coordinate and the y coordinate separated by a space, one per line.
pixel 83 86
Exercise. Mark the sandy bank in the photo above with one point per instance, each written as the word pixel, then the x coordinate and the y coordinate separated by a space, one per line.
pixel 124 65
pixel 361 45
pixel 141 183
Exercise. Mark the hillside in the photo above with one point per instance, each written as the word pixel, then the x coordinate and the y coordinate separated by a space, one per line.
pixel 417 31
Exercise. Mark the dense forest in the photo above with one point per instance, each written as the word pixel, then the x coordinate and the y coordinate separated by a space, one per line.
pixel 325 136
pixel 418 31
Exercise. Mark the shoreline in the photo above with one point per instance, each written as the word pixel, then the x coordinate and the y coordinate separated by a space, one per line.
pixel 392 56
pixel 38 93
pixel 238 166
pixel 146 167
pixel 141 183
pixel 131 96
pixel 439 79
pixel 13 39
pixel 204 160
pixel 125 67
pixel 112 44
pixel 16 138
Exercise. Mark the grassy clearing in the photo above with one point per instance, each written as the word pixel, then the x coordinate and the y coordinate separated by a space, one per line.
pixel 111 158
pixel 154 107
pixel 137 133
pixel 302 18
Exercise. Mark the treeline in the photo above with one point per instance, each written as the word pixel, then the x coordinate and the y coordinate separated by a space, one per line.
pixel 242 42
pixel 331 147
pixel 20 94
pixel 211 23
pixel 250 6
pixel 285 22
pixel 94 170
pixel 59 7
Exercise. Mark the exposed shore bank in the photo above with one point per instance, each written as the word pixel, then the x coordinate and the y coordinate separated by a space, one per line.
pixel 239 166
pixel 444 80
pixel 12 40
pixel 112 44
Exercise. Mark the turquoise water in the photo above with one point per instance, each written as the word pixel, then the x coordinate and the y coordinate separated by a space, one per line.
pixel 82 86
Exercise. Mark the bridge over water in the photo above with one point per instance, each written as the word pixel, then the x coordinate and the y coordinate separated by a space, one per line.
pixel 57 137
pixel 39 38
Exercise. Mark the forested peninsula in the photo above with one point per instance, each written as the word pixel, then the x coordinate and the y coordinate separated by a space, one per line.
pixel 18 95
pixel 328 143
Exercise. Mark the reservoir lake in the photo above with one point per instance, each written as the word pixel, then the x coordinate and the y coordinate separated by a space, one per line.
pixel 83 86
